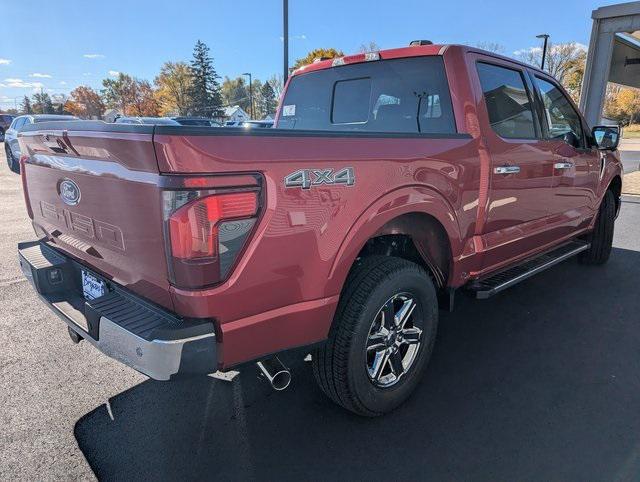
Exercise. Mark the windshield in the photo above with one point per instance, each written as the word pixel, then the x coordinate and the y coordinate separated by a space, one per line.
pixel 398 95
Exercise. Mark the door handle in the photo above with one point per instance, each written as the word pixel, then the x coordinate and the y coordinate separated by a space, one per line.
pixel 507 170
pixel 563 165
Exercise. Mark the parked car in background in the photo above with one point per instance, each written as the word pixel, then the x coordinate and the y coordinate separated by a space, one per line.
pixel 5 122
pixel 196 121
pixel 11 146
pixel 163 121
pixel 260 124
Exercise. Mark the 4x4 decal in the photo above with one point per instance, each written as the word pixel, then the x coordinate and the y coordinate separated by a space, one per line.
pixel 307 178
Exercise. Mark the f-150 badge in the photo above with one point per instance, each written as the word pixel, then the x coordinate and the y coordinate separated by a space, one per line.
pixel 308 178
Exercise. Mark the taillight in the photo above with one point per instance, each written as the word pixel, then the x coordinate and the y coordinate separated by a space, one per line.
pixel 206 232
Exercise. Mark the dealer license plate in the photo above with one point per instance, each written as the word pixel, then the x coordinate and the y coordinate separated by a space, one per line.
pixel 92 287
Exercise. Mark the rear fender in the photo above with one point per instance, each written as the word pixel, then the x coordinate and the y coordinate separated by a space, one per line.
pixel 377 220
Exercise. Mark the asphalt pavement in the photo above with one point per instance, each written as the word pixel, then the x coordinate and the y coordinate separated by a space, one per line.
pixel 541 382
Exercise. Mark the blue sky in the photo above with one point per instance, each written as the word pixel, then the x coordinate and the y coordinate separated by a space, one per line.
pixel 60 45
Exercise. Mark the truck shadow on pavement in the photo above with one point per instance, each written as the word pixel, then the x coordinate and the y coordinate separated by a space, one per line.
pixel 540 382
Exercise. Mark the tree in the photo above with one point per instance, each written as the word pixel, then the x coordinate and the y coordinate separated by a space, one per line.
pixel 277 84
pixel 370 47
pixel 491 47
pixel 318 54
pixel 131 96
pixel 85 103
pixel 174 88
pixel 623 104
pixel 42 104
pixel 205 89
pixel 235 92
pixel 118 93
pixel 560 59
pixel 144 102
pixel 26 107
pixel 268 101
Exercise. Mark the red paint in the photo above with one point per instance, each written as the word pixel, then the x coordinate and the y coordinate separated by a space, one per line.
pixel 285 286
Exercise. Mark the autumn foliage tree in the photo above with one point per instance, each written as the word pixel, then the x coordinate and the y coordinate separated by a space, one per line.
pixel 174 88
pixel 133 97
pixel 318 54
pixel 85 103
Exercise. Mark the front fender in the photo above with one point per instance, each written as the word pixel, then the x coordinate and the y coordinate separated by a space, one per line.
pixel 408 199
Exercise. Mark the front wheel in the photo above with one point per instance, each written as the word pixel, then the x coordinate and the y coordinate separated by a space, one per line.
pixel 382 336
pixel 601 238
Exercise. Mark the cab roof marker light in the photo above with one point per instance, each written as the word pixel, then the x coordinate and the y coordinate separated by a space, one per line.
pixel 353 59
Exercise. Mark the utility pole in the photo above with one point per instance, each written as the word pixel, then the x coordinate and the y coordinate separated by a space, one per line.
pixel 545 36
pixel 285 38
pixel 250 94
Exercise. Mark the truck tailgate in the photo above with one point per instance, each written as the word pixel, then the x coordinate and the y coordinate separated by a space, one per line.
pixel 95 195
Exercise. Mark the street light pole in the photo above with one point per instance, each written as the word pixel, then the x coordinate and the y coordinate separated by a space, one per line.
pixel 250 94
pixel 545 36
pixel 285 38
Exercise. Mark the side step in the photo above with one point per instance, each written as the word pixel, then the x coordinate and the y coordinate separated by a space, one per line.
pixel 487 287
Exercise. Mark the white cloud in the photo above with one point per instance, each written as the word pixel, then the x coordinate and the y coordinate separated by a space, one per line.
pixel 19 83
pixel 114 73
pixel 294 37
pixel 533 50
pixel 5 61
pixel 62 82
pixel 40 76
pixel 93 56
pixel 87 74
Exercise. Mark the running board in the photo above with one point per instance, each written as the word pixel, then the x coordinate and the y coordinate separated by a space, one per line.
pixel 487 287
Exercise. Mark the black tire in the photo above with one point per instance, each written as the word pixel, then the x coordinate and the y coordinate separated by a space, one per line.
pixel 340 364
pixel 601 238
pixel 11 161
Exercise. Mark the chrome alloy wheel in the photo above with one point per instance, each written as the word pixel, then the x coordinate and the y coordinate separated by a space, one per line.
pixel 394 340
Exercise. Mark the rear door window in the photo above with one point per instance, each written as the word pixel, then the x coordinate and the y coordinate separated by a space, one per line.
pixel 408 95
pixel 508 101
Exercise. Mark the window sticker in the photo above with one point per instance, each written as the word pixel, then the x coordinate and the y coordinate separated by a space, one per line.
pixel 289 110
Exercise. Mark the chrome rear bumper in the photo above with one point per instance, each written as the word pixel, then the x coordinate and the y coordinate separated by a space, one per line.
pixel 121 325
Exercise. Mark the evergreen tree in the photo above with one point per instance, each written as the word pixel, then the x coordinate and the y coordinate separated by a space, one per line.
pixel 268 99
pixel 205 89
pixel 26 106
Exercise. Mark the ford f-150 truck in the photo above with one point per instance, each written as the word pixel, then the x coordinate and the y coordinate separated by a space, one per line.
pixel 391 181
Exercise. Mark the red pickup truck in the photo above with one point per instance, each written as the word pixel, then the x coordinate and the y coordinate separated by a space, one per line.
pixel 391 181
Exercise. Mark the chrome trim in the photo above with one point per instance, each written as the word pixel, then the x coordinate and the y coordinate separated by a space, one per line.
pixel 563 165
pixel 506 170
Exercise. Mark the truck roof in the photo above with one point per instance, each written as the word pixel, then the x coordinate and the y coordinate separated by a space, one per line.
pixel 409 51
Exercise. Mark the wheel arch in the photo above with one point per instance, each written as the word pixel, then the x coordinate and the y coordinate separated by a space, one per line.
pixel 615 186
pixel 419 215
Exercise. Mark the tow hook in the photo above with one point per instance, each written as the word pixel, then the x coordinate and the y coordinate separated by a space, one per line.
pixel 74 336
pixel 278 375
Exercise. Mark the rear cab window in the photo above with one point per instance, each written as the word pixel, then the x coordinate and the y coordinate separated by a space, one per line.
pixel 408 95
pixel 509 102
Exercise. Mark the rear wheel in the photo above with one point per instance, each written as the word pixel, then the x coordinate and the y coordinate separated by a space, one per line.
pixel 601 238
pixel 382 336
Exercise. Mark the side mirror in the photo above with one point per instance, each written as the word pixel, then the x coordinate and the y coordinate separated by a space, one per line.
pixel 607 137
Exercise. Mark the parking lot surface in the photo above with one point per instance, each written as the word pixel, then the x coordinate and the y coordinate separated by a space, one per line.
pixel 541 382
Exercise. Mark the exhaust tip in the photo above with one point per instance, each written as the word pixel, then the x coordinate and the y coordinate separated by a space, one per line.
pixel 278 375
pixel 281 380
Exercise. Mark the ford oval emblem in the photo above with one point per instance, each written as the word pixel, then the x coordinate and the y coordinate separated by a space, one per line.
pixel 69 192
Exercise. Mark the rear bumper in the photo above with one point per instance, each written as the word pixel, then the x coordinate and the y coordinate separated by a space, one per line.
pixel 121 325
